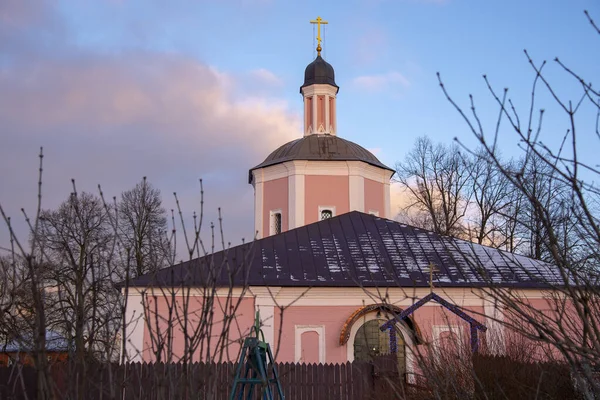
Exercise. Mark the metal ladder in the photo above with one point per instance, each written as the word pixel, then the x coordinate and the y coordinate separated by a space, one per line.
pixel 253 368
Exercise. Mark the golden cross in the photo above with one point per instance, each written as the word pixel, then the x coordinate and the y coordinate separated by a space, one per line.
pixel 319 21
pixel 432 269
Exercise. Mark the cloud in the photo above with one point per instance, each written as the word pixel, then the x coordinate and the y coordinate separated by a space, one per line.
pixel 377 83
pixel 257 83
pixel 266 77
pixel 112 119
pixel 399 198
pixel 370 45
pixel 110 116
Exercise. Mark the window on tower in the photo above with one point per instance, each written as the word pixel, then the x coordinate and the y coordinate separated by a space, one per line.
pixel 326 213
pixel 275 222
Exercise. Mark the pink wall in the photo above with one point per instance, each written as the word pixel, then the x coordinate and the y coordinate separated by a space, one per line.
pixel 239 328
pixel 374 196
pixel 308 107
pixel 570 327
pixel 275 197
pixel 430 315
pixel 332 317
pixel 325 191
pixel 309 352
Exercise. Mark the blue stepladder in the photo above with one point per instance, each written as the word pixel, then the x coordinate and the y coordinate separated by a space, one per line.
pixel 256 374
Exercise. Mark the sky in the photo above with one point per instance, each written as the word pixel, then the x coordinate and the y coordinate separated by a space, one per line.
pixel 115 90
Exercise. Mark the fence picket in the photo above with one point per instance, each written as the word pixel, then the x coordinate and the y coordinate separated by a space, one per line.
pixel 343 383
pixel 323 390
pixel 312 375
pixel 348 381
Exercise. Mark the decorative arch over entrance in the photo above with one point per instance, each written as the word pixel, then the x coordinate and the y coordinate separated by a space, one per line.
pixel 385 308
pixel 407 329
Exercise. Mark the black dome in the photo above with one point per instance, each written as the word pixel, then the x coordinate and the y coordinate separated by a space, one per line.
pixel 319 71
pixel 320 148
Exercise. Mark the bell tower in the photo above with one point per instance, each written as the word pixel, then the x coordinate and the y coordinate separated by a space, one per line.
pixel 319 175
pixel 319 91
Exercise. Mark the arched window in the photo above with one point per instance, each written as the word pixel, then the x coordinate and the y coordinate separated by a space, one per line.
pixel 275 227
pixel 371 342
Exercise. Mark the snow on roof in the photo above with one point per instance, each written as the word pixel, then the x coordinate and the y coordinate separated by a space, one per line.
pixel 358 249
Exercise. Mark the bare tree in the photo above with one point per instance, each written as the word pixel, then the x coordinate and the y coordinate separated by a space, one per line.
pixel 488 191
pixel 24 264
pixel 79 244
pixel 559 210
pixel 143 228
pixel 63 278
pixel 435 178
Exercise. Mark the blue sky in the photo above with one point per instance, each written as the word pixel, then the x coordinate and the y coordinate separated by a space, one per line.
pixel 177 90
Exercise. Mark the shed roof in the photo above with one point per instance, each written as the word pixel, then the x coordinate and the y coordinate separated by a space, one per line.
pixel 357 249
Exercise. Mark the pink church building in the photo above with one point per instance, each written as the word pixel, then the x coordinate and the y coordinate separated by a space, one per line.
pixel 329 266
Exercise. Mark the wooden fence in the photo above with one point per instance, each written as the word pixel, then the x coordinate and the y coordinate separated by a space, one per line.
pixel 349 381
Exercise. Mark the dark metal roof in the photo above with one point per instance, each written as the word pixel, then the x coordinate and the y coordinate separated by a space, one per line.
pixel 319 72
pixel 320 148
pixel 357 249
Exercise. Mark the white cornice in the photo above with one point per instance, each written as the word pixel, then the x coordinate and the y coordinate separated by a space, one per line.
pixel 319 89
pixel 329 168
pixel 350 295
pixel 402 297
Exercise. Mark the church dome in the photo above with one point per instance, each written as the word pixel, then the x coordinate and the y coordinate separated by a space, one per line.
pixel 319 72
pixel 320 148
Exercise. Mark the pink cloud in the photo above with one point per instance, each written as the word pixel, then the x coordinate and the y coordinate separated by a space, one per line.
pixel 370 45
pixel 381 82
pixel 266 77
pixel 112 120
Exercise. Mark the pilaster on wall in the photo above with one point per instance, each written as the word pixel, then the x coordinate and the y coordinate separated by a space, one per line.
pixel 327 115
pixel 296 200
pixel 313 122
pixel 258 209
pixel 387 208
pixel 494 322
pixel 134 328
pixel 264 302
pixel 357 193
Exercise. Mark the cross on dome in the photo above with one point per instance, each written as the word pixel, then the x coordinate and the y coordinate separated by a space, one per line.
pixel 318 22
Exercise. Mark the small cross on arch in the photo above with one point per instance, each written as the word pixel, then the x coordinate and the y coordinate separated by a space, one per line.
pixel 432 270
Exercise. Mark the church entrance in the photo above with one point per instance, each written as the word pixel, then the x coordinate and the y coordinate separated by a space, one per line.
pixel 371 342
